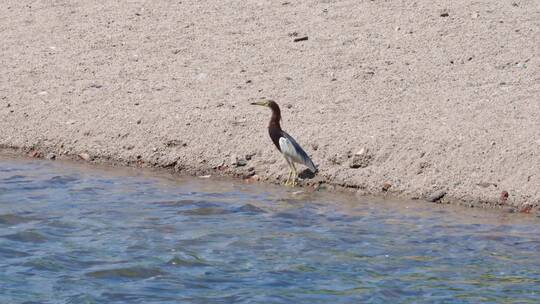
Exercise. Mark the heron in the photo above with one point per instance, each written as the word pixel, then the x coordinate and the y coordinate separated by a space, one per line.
pixel 285 143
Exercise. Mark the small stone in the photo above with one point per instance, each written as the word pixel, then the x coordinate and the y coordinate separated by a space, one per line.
pixel 436 196
pixel 444 14
pixel 298 39
pixel 175 143
pixel 238 162
pixel 504 197
pixel 386 186
pixel 139 122
pixel 253 178
pixel 35 154
pixel 361 159
pixel 487 184
pixel 84 156
pixel 526 208
pixel 51 156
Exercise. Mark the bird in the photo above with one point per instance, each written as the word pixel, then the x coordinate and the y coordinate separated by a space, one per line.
pixel 285 143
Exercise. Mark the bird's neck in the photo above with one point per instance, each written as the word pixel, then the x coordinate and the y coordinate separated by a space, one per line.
pixel 274 120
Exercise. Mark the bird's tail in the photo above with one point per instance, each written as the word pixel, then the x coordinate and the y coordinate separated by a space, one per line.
pixel 311 166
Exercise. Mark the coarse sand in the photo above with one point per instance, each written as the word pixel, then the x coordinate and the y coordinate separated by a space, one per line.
pixel 436 100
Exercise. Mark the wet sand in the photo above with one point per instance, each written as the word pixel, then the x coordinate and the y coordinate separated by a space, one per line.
pixel 435 100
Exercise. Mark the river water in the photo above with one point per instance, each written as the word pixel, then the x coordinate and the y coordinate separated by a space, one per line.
pixel 74 234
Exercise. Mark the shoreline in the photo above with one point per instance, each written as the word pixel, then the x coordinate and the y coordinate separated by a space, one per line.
pixel 107 162
pixel 425 100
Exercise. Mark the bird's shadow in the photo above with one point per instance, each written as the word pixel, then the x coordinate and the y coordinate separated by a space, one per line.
pixel 306 174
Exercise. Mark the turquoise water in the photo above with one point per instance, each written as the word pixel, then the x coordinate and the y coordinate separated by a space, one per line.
pixel 71 234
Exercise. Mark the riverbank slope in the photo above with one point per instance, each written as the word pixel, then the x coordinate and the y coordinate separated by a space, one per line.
pixel 428 99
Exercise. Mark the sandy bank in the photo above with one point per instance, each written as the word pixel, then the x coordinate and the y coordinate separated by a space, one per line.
pixel 442 97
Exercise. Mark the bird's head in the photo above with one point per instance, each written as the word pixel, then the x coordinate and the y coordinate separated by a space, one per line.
pixel 264 103
pixel 276 113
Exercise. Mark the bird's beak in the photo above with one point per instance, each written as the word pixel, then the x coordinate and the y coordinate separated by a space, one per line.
pixel 259 103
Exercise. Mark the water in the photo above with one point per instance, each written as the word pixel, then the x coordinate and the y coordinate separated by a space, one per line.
pixel 71 234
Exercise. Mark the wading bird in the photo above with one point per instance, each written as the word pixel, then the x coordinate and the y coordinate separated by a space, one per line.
pixel 290 149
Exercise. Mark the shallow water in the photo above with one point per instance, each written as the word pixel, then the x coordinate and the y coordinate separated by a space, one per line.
pixel 71 234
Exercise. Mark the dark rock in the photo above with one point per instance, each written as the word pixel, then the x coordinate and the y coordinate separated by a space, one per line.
pixel 51 156
pixel 300 39
pixel 436 196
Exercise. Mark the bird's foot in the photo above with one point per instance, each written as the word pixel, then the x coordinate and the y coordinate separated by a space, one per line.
pixel 289 183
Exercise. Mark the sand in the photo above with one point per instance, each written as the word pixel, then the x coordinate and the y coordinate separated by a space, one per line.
pixel 435 100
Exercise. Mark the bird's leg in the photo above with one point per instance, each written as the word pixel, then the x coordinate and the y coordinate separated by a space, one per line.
pixel 294 174
pixel 288 181
pixel 288 178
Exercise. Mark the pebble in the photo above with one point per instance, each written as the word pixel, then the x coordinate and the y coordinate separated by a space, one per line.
pixel 238 162
pixel 361 159
pixel 35 154
pixel 504 196
pixel 51 156
pixel 84 156
pixel 386 186
pixel 252 179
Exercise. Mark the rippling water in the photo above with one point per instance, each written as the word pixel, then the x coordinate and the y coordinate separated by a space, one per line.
pixel 70 234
